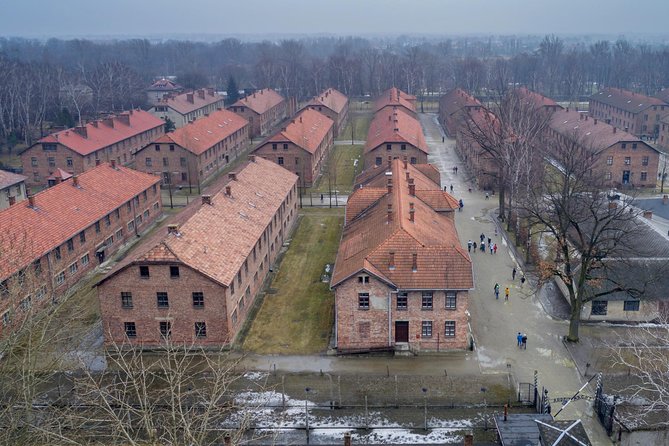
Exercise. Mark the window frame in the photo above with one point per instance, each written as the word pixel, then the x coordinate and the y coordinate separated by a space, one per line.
pixel 425 295
pixel 426 329
pixel 363 301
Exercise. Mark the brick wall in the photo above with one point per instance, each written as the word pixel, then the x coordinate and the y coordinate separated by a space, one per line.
pixel 381 154
pixel 261 124
pixel 644 124
pixel 641 163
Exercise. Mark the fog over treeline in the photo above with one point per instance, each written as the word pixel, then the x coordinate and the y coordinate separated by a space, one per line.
pixel 67 80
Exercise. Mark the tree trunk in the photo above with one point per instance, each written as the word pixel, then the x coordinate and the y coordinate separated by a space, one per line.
pixel 574 321
pixel 500 185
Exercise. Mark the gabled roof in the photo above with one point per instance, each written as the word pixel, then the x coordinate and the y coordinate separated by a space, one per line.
pixel 663 95
pixel 164 85
pixel 260 101
pixel 102 133
pixel 536 99
pixel 332 99
pixel 205 132
pixel 60 174
pixel 10 178
pixel 182 104
pixel 370 237
pixel 64 210
pixel 395 97
pixel 215 239
pixel 394 125
pixel 457 99
pixel 307 130
pixel 625 100
pixel 591 132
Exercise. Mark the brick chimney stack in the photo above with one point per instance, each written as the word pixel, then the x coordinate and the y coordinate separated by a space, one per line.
pixel 391 260
pixel 414 262
pixel 390 213
pixel 228 191
pixel 81 130
pixel 412 188
pixel 112 163
pixel 252 158
pixel 206 199
pixel 75 180
pixel 614 130
pixel 412 213
pixel 189 98
pixel 232 176
pixel 31 201
pixel 172 229
pixel 200 93
pixel 389 185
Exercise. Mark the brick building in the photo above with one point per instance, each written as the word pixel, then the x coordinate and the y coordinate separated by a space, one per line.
pixel 161 88
pixel 454 107
pixel 190 154
pixel 12 189
pixel 479 162
pixel 333 104
pixel 394 133
pixel 196 281
pixel 77 149
pixel 52 239
pixel 663 137
pixel 264 109
pixel 302 146
pixel 535 100
pixel 396 99
pixel 187 107
pixel 401 278
pixel 624 159
pixel 635 113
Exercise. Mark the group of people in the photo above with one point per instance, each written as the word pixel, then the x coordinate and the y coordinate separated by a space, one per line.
pixel 507 292
pixel 482 245
pixel 522 340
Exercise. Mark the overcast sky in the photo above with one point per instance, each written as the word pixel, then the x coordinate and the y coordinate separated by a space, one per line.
pixel 57 18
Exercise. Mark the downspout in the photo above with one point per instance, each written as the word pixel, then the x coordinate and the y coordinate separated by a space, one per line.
pixel 390 300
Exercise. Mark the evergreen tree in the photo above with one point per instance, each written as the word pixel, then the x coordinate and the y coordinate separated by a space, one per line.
pixel 233 91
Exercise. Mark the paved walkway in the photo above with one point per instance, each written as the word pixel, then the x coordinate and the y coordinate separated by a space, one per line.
pixel 496 322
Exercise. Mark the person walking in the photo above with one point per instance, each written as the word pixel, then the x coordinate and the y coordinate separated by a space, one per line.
pixel 461 204
pixel 469 245
pixel 482 237
pixel 522 281
pixel 524 341
pixel 483 247
pixel 513 273
pixel 443 139
pixel 451 188
pixel 475 247
pixel 494 248
pixel 506 293
pixel 490 246
pixel 489 240
pixel 519 339
pixel 487 196
pixel 496 289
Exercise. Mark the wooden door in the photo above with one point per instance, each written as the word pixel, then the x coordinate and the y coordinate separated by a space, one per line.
pixel 401 331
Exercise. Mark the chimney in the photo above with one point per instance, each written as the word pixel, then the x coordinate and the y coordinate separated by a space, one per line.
pixel 95 124
pixel 412 213
pixel 210 91
pixel 469 440
pixel 172 229
pixel 97 162
pixel 412 188
pixel 58 179
pixel 206 199
pixel 109 122
pixel 252 158
pixel 81 130
pixel 189 98
pixel 347 439
pixel 414 262
pixel 389 184
pixel 614 130
pixel 200 93
pixel 113 163
pixel 232 176
pixel 124 118
pixel 75 180
pixel 390 213
pixel 31 201
pixel 408 175
pixel 391 260
pixel 390 161
pixel 404 161
pixel 228 191
pixel 300 119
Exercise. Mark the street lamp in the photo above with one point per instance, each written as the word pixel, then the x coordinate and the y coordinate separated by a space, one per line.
pixel 424 389
pixel 306 410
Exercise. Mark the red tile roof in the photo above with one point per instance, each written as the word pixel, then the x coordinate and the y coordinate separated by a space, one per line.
pixel 62 211
pixel 531 97
pixel 593 133
pixel 395 97
pixel 455 100
pixel 625 100
pixel 205 132
pixel 370 237
pixel 164 85
pixel 307 130
pixel 663 95
pixel 216 239
pixel 332 99
pixel 201 98
pixel 103 133
pixel 9 179
pixel 395 125
pixel 260 101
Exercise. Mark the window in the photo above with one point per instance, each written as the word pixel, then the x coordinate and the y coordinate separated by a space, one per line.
pixel 427 300
pixel 157 146
pixel 69 162
pixel 171 147
pixel 285 147
pixel 33 161
pixel 107 220
pixel 148 162
pixel 144 272
pixel 644 176
pixel 60 278
pixel 414 160
pixel 117 213
pixel 130 329
pixel 85 259
pixel 609 160
pixel 232 287
pixel 131 226
pixel 119 234
pixel 198 299
pixel 402 301
pixel 378 161
pixel 162 299
pixel 426 329
pixel 41 292
pixel 633 145
pixel 174 272
pixel 70 245
pixel 200 329
pixel 126 299
pixel 628 160
pixel 37 267
pixel 403 147
pixel 631 305
pixel 25 303
pixel 363 279
pixel 234 317
pixel 166 161
pixel 644 161
pixel 5 318
pixel 73 268
pixel 184 176
pixel 364 329
pixel 241 302
pixel 608 175
pixel 363 301
pixel 451 300
pixel 280 161
pixel 52 161
pixel 599 308
pixel 389 147
pixel 274 146
pixel 56 253
pixel 49 147
pixel 182 162
pixel 165 329
pixel 82 236
pixel 449 329
pixel 109 240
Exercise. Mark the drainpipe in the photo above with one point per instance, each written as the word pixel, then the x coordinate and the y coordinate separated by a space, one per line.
pixel 336 331
pixel 390 300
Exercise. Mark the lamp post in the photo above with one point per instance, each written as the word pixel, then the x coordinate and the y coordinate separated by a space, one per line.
pixel 306 411
pixel 424 389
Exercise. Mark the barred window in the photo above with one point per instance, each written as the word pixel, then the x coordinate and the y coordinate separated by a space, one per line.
pixel 449 329
pixel 426 329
